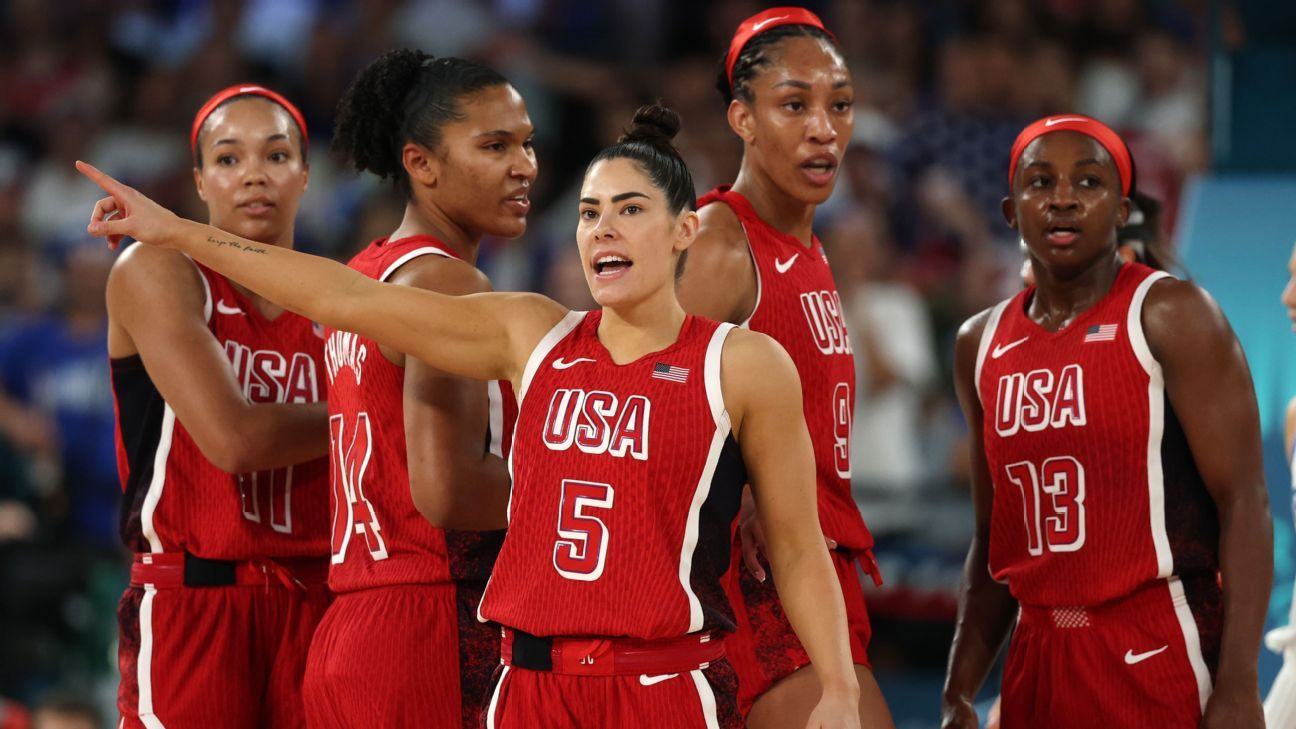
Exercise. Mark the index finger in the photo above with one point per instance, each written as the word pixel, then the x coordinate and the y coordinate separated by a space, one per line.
pixel 110 185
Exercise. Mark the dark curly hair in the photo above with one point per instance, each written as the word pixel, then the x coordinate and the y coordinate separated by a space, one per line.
pixel 403 96
pixel 758 53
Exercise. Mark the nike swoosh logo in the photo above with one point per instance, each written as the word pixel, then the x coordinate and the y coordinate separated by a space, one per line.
pixel 223 308
pixel 783 266
pixel 651 680
pixel 756 28
pixel 1059 120
pixel 559 364
pixel 1000 349
pixel 1131 657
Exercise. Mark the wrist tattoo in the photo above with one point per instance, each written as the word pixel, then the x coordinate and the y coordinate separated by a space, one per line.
pixel 235 244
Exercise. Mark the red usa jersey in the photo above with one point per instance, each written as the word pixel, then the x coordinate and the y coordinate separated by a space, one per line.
pixel 626 482
pixel 798 305
pixel 175 499
pixel 379 537
pixel 1095 489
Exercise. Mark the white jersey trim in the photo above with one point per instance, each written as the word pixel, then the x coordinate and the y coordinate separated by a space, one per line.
pixel 707 697
pixel 715 398
pixel 1192 640
pixel 546 345
pixel 207 294
pixel 751 253
pixel 494 702
pixel 425 251
pixel 158 482
pixel 1156 425
pixel 987 337
pixel 144 661
pixel 495 400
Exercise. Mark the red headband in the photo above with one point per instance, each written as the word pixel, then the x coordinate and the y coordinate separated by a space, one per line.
pixel 763 21
pixel 226 94
pixel 1087 126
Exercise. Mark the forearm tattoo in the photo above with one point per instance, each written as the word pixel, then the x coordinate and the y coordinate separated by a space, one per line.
pixel 235 244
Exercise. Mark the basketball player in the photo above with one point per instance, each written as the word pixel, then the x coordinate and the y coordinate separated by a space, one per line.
pixel 789 99
pixel 1280 704
pixel 218 396
pixel 401 645
pixel 608 581
pixel 1120 500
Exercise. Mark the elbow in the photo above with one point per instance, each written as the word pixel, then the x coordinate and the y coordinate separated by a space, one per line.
pixel 230 453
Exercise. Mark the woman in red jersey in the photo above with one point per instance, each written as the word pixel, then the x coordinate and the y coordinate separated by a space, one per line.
pixel 401 646
pixel 789 98
pixel 218 395
pixel 1121 509
pixel 608 581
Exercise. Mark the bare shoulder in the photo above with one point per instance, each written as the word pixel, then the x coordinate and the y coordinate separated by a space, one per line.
pixel 719 254
pixel 1170 298
pixel 154 279
pixel 970 332
pixel 719 226
pixel 756 360
pixel 721 243
pixel 442 274
pixel 1180 317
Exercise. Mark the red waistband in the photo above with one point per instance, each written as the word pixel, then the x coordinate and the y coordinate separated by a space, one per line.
pixel 610 656
pixel 180 569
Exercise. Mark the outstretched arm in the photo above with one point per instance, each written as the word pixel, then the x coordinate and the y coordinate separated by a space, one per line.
pixel 762 393
pixel 486 336
pixel 1209 387
pixel 986 608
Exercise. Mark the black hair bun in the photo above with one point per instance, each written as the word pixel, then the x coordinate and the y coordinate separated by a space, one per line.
pixel 367 130
pixel 653 124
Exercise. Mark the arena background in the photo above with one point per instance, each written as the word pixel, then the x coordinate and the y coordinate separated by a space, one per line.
pixel 1202 90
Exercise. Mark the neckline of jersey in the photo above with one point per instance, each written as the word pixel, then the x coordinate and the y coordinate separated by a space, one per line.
pixel 419 238
pixel 1028 294
pixel 743 208
pixel 594 317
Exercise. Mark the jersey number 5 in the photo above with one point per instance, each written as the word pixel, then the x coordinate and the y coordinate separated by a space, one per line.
pixel 1053 496
pixel 352 512
pixel 581 548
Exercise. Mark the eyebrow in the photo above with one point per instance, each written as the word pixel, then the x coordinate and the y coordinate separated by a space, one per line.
pixel 271 138
pixel 806 86
pixel 615 198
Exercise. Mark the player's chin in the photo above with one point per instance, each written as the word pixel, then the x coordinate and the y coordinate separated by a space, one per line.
pixel 807 193
pixel 509 226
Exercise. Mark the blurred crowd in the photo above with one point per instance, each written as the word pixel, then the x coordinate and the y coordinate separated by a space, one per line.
pixel 914 229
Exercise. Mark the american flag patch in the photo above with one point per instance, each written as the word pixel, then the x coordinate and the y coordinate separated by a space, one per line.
pixel 663 371
pixel 1101 333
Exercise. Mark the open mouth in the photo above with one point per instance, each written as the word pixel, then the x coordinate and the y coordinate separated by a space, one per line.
pixel 820 169
pixel 519 202
pixel 611 264
pixel 257 206
pixel 1062 234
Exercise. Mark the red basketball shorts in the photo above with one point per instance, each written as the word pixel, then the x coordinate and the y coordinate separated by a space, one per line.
pixel 401 656
pixel 225 657
pixel 1145 660
pixel 764 649
pixel 699 699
